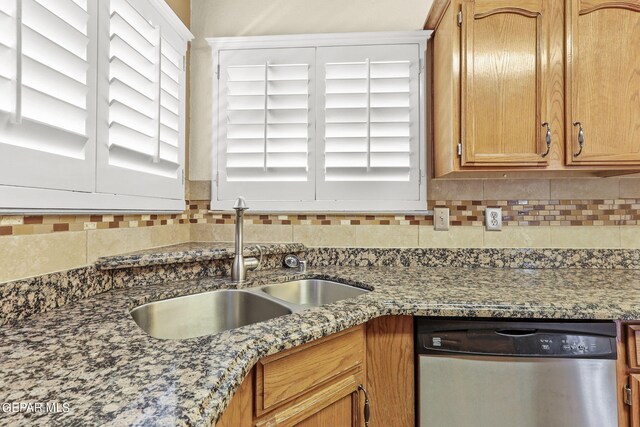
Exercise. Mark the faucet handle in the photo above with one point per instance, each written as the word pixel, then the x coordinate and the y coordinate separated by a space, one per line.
pixel 240 204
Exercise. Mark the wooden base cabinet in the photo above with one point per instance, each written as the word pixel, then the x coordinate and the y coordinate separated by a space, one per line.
pixel 524 86
pixel 328 382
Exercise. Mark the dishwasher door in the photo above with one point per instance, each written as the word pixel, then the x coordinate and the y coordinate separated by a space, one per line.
pixel 489 391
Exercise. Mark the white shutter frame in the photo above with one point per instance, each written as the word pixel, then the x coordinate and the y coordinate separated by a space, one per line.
pixel 250 143
pixel 147 157
pixel 318 41
pixel 47 138
pixel 374 154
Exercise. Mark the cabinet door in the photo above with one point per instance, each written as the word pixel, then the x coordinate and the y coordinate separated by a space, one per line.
pixel 341 413
pixel 603 82
pixel 505 65
pixel 47 106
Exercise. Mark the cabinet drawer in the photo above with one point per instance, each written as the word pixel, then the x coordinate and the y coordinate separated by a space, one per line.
pixel 285 375
pixel 633 346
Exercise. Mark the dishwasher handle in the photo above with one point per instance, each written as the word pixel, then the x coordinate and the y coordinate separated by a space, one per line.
pixel 515 333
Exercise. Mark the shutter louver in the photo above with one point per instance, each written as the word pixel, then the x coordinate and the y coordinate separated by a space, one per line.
pixel 145 92
pixel 371 126
pixel 47 66
pixel 265 122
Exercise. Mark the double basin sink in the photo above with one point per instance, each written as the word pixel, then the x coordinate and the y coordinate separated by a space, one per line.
pixel 216 311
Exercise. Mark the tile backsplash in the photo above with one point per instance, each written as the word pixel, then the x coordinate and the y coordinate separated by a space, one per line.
pixel 538 213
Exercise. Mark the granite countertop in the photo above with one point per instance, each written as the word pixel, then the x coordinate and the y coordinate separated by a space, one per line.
pixel 191 252
pixel 91 356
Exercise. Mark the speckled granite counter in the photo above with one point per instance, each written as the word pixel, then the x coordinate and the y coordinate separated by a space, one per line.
pixel 92 356
pixel 191 252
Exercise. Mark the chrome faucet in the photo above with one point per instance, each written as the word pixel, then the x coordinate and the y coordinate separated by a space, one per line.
pixel 241 264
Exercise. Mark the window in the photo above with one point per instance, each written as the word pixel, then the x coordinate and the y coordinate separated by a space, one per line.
pixel 320 123
pixel 94 118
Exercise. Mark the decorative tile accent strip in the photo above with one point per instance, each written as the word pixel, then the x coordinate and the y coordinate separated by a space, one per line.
pixel 463 213
pixel 42 224
pixel 611 259
pixel 22 298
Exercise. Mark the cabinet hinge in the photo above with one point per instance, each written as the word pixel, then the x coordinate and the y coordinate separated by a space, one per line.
pixel 218 71
pixel 420 66
pixel 182 176
pixel 460 149
pixel 627 395
pixel 459 18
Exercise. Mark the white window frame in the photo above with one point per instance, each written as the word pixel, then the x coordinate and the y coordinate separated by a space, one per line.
pixel 323 40
pixel 24 199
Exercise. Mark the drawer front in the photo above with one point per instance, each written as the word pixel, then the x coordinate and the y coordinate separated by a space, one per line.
pixel 284 376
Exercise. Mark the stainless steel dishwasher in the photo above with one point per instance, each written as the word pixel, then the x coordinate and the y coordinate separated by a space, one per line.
pixel 516 373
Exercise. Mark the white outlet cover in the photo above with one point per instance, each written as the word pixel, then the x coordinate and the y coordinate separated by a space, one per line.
pixel 493 219
pixel 441 219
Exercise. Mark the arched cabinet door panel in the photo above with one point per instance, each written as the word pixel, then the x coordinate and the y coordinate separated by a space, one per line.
pixel 603 82
pixel 505 73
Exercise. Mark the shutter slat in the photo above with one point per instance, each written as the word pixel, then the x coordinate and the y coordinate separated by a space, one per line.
pixel 127 95
pixel 120 26
pixel 170 102
pixel 134 19
pixel 253 174
pixel 69 12
pixel 54 83
pixel 170 70
pixel 172 55
pixel 119 70
pixel 33 136
pixel 123 51
pixel 169 85
pixel 130 159
pixel 363 174
pixel 168 135
pixel 46 23
pixel 169 119
pixel 131 118
pixel 39 48
pixel 131 139
pixel 46 109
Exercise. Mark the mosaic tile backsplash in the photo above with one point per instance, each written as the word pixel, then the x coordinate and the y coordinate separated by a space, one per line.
pixel 601 212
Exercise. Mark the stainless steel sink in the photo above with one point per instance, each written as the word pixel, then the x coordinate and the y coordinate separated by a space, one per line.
pixel 204 314
pixel 312 291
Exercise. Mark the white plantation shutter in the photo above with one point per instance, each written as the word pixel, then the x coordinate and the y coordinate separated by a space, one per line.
pixel 141 90
pixel 369 123
pixel 266 124
pixel 47 82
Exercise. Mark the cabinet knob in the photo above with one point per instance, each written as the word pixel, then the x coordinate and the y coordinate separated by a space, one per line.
pixel 547 139
pixel 580 138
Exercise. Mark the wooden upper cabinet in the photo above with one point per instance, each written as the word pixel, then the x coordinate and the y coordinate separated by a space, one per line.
pixel 603 82
pixel 505 71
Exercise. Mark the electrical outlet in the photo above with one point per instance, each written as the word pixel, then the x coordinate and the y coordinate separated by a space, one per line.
pixel 441 219
pixel 493 219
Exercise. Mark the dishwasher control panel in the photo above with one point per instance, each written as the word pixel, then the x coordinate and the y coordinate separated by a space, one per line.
pixel 517 341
